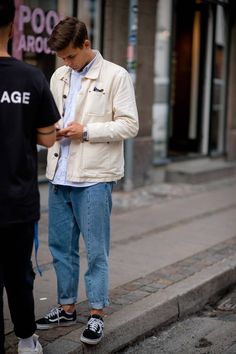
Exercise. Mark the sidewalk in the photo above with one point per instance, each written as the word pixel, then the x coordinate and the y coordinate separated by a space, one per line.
pixel 173 248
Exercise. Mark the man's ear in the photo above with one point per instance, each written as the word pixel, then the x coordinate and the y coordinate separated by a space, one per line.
pixel 87 44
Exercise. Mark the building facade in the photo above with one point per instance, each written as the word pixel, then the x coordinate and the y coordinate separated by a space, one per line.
pixel 181 55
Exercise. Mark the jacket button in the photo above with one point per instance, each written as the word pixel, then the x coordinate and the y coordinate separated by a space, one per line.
pixel 56 154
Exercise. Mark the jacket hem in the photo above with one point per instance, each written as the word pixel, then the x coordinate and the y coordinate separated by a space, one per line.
pixel 91 179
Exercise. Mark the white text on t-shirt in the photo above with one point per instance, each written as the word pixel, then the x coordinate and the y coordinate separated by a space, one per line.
pixel 15 97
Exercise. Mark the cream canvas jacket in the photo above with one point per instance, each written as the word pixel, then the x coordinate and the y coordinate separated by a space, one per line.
pixel 106 105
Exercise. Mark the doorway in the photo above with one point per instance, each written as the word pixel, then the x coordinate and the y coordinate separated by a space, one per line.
pixel 188 67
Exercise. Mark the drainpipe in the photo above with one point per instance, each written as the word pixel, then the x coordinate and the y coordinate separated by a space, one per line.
pixel 131 67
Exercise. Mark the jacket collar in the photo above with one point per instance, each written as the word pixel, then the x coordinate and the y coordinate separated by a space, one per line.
pixel 92 74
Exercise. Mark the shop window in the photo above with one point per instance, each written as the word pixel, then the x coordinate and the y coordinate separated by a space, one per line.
pixel 34 22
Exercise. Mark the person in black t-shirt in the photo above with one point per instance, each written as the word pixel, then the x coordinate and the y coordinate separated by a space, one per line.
pixel 27 117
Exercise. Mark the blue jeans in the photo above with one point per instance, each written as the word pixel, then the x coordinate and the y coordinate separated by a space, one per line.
pixel 75 210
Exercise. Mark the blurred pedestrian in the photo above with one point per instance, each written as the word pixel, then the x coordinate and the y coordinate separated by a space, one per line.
pixel 96 100
pixel 27 116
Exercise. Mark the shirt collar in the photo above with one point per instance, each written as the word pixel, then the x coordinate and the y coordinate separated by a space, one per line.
pixel 84 71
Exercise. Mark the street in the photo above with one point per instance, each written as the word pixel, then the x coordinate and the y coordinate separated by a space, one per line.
pixel 211 331
pixel 173 246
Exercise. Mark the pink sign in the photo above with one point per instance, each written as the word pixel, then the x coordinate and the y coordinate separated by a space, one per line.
pixel 41 26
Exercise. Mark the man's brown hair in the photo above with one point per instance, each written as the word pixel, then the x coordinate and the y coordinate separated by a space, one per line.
pixel 66 31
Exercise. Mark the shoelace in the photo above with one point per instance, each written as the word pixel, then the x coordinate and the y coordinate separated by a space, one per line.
pixel 95 325
pixel 54 311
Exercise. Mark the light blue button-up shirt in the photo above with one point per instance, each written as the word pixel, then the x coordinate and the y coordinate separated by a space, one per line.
pixel 69 112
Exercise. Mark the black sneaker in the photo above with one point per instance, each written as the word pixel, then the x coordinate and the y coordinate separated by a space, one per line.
pixel 56 317
pixel 94 330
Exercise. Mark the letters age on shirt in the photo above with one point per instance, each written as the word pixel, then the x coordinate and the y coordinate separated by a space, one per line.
pixel 15 97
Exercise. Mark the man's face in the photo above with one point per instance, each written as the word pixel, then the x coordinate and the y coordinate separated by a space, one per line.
pixel 74 57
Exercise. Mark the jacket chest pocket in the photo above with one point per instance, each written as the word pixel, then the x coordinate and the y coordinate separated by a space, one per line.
pixel 96 103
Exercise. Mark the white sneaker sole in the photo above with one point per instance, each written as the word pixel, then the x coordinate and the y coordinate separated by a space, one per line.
pixel 90 341
pixel 53 325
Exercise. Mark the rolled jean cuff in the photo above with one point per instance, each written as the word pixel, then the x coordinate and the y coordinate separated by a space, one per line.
pixel 70 301
pixel 99 305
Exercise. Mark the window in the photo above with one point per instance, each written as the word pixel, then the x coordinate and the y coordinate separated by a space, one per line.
pixel 34 22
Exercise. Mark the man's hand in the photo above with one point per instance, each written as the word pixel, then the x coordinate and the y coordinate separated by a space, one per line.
pixel 73 131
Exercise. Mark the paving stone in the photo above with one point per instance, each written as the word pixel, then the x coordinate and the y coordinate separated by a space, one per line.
pixel 153 287
pixel 132 286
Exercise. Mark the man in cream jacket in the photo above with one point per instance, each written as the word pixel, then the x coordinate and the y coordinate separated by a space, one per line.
pixel 98 111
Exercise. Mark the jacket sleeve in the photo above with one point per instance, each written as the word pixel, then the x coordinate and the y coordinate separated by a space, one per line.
pixel 53 87
pixel 124 123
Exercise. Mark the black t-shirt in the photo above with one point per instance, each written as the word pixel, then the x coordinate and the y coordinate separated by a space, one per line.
pixel 26 104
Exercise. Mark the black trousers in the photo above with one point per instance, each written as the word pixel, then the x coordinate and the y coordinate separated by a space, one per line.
pixel 17 276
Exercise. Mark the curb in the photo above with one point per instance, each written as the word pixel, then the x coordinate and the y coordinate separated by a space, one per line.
pixel 154 311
